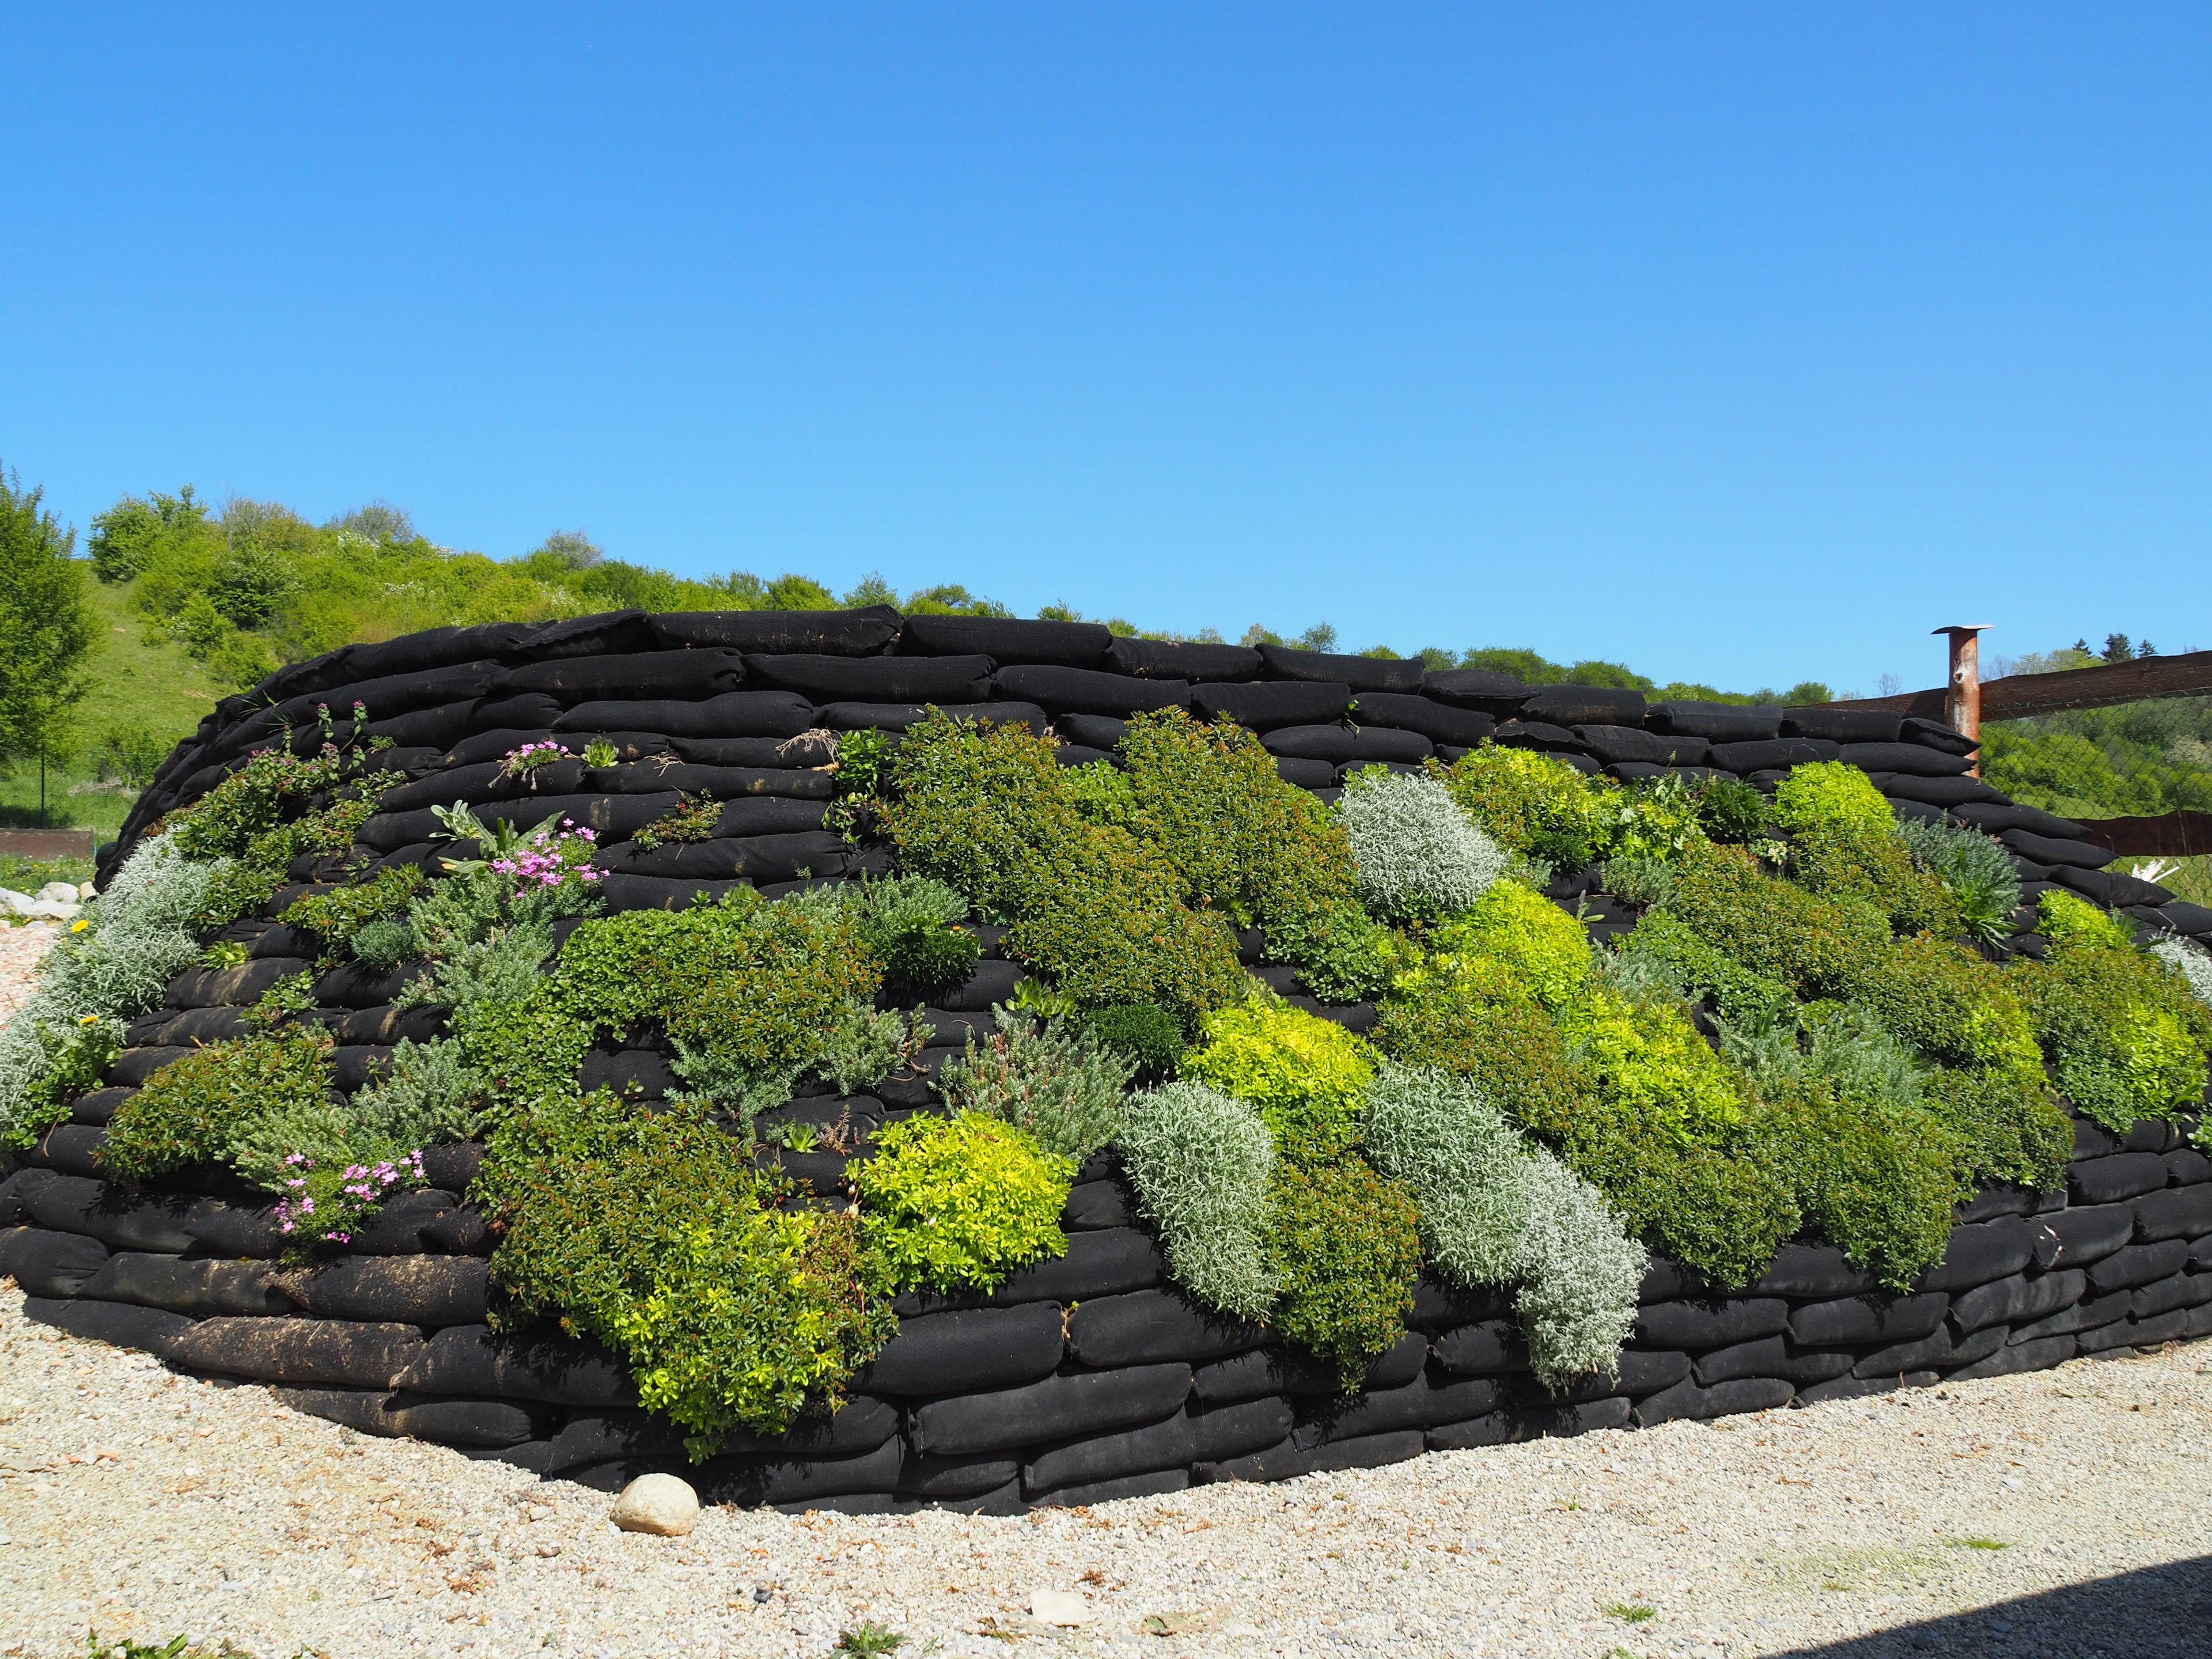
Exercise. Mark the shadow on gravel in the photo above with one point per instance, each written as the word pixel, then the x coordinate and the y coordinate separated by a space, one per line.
pixel 2150 1614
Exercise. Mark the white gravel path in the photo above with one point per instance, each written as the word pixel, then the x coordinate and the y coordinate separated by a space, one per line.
pixel 139 1504
pixel 22 945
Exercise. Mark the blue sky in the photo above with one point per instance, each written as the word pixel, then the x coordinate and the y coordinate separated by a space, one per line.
pixel 1740 343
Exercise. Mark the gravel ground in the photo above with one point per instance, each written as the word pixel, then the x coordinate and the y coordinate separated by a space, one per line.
pixel 136 1502
pixel 22 945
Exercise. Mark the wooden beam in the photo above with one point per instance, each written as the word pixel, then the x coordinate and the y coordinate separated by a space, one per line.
pixel 2170 834
pixel 2016 696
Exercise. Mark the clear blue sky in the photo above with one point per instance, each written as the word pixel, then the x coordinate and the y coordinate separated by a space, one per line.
pixel 1743 344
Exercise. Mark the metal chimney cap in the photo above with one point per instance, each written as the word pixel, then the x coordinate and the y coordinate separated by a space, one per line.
pixel 1962 628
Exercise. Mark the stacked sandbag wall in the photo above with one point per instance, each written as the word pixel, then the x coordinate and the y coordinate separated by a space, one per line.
pixel 1087 1377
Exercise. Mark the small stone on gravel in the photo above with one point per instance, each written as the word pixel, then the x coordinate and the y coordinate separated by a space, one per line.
pixel 658 1503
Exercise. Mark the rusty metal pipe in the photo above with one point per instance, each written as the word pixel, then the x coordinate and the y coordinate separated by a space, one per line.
pixel 1962 699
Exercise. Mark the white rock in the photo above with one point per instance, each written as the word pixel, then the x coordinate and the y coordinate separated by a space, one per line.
pixel 54 909
pixel 658 1503
pixel 61 892
pixel 1059 1608
pixel 19 903
pixel 85 890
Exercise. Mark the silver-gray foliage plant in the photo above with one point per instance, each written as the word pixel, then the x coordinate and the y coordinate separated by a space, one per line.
pixel 1417 855
pixel 1201 1163
pixel 2189 959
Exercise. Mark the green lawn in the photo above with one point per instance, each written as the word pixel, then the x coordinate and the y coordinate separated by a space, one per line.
pixel 156 688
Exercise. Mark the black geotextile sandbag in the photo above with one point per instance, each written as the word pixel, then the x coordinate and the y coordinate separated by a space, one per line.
pixel 1084 1494
pixel 1100 732
pixel 2014 1358
pixel 1840 724
pixel 772 714
pixel 1439 722
pixel 867 632
pixel 1763 1356
pixel 1418 1404
pixel 612 817
pixel 1217 1433
pixel 1942 1350
pixel 1264 705
pixel 223 987
pixel 861 1425
pixel 135 1066
pixel 2138 1264
pixel 47 1263
pixel 232 1229
pixel 1339 668
pixel 1935 734
pixel 1096 1205
pixel 969 1476
pixel 2115 1179
pixel 493 745
pixel 1802 1367
pixel 1148 1326
pixel 1543 736
pixel 876 680
pixel 409 1224
pixel 1483 1348
pixel 1947 793
pixel 383 698
pixel 199 1288
pixel 1614 745
pixel 2179 1212
pixel 1904 759
pixel 465 1423
pixel 2165 1295
pixel 100 1106
pixel 360 985
pixel 957 1352
pixel 71 1149
pixel 1987 1250
pixel 2005 1199
pixel 600 1437
pixel 325 1350
pixel 528 709
pixel 1499 695
pixel 2187 1167
pixel 1089 691
pixel 1534 1422
pixel 1867 1319
pixel 407 1290
pixel 1710 1325
pixel 809 749
pixel 1439 1305
pixel 1289 1459
pixel 1772 754
pixel 2136 1332
pixel 2018 1299
pixel 753 858
pixel 1306 774
pixel 1104 1262
pixel 2053 851
pixel 2111 889
pixel 539 1365
pixel 1687 1400
pixel 1342 745
pixel 1584 705
pixel 1054 1408
pixel 1276 1371
pixel 2086 1233
pixel 1165 659
pixel 123 1324
pixel 773 1478
pixel 1715 722
pixel 990 983
pixel 1007 640
pixel 1862 1387
pixel 1813 1270
pixel 112 1215
pixel 2191 920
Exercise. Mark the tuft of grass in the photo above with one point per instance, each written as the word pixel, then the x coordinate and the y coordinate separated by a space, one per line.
pixel 1629 1613
pixel 868 1640
pixel 1979 1544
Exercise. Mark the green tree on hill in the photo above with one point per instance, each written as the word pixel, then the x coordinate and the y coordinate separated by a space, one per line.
pixel 45 625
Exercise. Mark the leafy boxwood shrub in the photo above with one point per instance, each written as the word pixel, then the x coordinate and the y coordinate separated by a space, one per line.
pixel 961 1200
pixel 1308 1076
pixel 2125 1037
pixel 1730 809
pixel 1508 1047
pixel 1202 1165
pixel 1347 1246
pixel 1055 1081
pixel 977 810
pixel 194 1110
pixel 1818 947
pixel 1143 1034
pixel 2008 1128
pixel 648 1234
pixel 1418 856
pixel 1720 1209
pixel 1832 795
pixel 1952 1005
pixel 1669 948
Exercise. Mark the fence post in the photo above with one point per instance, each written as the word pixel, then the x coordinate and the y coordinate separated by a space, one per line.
pixel 1962 696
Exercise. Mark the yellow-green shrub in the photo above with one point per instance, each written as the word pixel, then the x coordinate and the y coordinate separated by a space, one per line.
pixel 1531 803
pixel 2124 1035
pixel 1307 1075
pixel 961 1200
pixel 1514 933
pixel 1831 795
pixel 1646 1055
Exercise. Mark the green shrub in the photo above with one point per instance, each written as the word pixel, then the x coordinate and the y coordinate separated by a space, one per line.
pixel 1983 880
pixel 1667 947
pixel 1723 1211
pixel 2063 918
pixel 961 1200
pixel 1876 868
pixel 1347 1249
pixel 2124 1037
pixel 1143 1034
pixel 338 915
pixel 1878 1179
pixel 694 818
pixel 1529 803
pixel 1512 938
pixel 1950 1003
pixel 385 943
pixel 976 809
pixel 1654 818
pixel 1342 954
pixel 1103 794
pixel 912 923
pixel 1639 881
pixel 1417 855
pixel 196 1111
pixel 1202 1165
pixel 1057 1083
pixel 2008 1128
pixel 1307 1075
pixel 1820 947
pixel 1509 1047
pixel 648 1233
pixel 1730 809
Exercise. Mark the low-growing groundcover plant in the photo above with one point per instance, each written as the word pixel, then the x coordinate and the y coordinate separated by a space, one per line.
pixel 1801 1035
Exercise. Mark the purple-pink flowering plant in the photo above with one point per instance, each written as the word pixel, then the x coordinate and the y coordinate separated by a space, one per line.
pixel 326 1203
